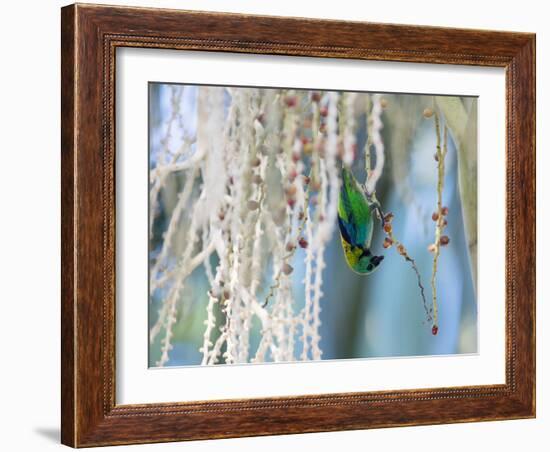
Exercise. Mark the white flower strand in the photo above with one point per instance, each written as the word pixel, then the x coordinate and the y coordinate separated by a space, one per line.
pixel 377 125
pixel 183 198
pixel 349 132
pixel 158 179
pixel 239 156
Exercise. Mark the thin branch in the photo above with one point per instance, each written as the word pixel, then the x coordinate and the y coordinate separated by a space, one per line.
pixel 374 139
pixel 439 215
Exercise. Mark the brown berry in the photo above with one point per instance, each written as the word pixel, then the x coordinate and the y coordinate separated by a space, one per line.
pixel 257 179
pixel 315 185
pixel 287 269
pixel 290 246
pixel 315 96
pixel 436 157
pixel 302 242
pixel 308 148
pixel 291 101
pixel 444 211
pixel 226 294
pixel 291 190
pixel 323 112
pixel 435 329
pixel 435 216
pixel 253 205
pixel 387 242
pixel 307 180
pixel 401 249
pixel 388 217
pixel 387 227
pixel 444 240
pixel 256 161
pixel 221 215
pixel 291 202
pixel 428 112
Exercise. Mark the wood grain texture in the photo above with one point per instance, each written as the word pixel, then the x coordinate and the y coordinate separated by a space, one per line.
pixel 90 36
pixel 67 226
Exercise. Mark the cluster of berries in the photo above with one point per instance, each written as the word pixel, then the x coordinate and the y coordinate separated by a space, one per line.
pixel 439 217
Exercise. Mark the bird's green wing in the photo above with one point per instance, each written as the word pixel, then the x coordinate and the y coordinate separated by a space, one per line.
pixel 355 216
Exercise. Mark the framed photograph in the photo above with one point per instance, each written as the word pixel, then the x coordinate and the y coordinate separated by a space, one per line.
pixel 281 225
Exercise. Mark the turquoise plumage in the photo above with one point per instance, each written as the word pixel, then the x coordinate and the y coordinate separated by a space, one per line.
pixel 356 222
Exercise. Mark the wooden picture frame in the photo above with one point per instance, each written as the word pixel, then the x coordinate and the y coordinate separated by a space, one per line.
pixel 90 36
